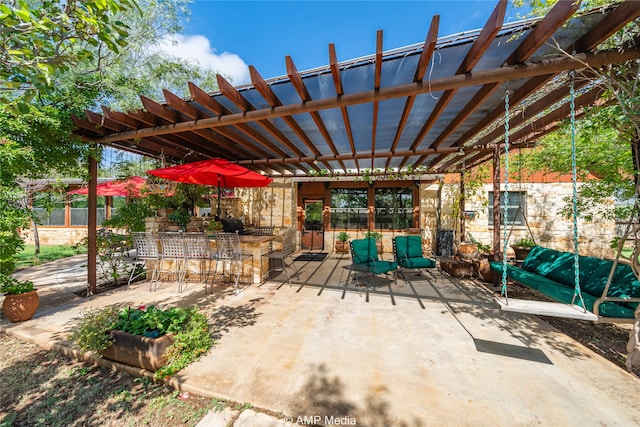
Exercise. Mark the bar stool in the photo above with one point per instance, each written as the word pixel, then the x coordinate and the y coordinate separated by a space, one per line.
pixel 172 257
pixel 198 249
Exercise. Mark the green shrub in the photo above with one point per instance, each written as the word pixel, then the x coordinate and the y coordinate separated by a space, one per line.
pixel 190 328
pixel 373 235
pixel 12 286
pixel 525 243
pixel 343 236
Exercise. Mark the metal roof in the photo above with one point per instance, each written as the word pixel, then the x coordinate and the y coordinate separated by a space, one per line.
pixel 437 105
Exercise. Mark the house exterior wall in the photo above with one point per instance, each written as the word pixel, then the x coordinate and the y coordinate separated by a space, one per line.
pixel 273 205
pixel 544 202
pixel 279 205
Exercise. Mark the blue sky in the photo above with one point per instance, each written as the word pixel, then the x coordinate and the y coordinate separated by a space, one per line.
pixel 230 35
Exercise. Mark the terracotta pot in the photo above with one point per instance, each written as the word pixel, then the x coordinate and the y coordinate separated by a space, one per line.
pixel 20 307
pixel 342 247
pixel 484 271
pixel 137 350
pixel 521 253
pixel 468 250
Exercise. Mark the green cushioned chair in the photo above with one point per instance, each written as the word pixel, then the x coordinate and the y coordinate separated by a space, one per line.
pixel 364 259
pixel 407 252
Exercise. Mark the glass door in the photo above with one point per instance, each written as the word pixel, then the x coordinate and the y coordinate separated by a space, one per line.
pixel 313 231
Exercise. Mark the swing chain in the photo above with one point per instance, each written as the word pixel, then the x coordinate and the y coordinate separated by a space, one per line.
pixel 574 179
pixel 506 192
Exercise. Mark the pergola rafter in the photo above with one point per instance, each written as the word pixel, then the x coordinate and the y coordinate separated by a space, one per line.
pixel 334 118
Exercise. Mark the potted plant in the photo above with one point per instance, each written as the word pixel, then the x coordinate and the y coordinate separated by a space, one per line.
pixel 378 238
pixel 20 299
pixel 214 226
pixel 179 218
pixel 151 338
pixel 342 243
pixel 522 247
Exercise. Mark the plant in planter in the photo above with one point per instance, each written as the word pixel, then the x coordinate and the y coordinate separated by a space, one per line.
pixel 161 340
pixel 214 226
pixel 180 218
pixel 21 300
pixel 522 247
pixel 378 238
pixel 342 242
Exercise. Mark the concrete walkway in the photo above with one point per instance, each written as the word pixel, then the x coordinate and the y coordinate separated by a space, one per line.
pixel 427 351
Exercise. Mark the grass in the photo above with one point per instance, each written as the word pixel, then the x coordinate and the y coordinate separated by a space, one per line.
pixel 28 258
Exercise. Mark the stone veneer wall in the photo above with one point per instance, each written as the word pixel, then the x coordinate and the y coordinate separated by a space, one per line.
pixel 273 205
pixel 549 228
pixel 55 235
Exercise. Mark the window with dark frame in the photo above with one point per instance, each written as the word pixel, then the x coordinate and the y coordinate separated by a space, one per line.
pixel 349 208
pixel 393 208
pixel 516 209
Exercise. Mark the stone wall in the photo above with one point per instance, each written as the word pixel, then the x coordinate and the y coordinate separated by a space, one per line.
pixel 544 201
pixel 56 235
pixel 273 205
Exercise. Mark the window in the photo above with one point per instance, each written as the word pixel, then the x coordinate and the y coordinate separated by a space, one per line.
pixel 394 208
pixel 79 210
pixel 349 208
pixel 515 210
pixel 49 208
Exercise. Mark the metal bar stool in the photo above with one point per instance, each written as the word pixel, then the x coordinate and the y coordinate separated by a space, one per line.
pixel 172 257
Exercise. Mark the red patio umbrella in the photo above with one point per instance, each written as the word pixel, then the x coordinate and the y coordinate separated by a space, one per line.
pixel 131 187
pixel 214 171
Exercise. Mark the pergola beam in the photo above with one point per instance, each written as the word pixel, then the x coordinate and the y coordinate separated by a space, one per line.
pixel 501 74
pixel 428 48
pixel 298 84
pixel 337 81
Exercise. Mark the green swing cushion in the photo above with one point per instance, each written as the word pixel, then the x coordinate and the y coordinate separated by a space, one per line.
pixel 540 259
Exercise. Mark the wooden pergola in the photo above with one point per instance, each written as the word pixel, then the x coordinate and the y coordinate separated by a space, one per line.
pixel 437 106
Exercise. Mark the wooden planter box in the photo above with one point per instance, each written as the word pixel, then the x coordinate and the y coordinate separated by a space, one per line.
pixel 137 350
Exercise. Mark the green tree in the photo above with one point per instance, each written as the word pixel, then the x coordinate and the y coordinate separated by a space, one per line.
pixel 603 136
pixel 40 39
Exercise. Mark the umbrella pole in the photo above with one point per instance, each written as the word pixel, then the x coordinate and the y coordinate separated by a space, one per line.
pixel 218 211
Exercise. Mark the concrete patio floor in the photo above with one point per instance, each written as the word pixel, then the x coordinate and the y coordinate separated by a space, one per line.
pixel 425 351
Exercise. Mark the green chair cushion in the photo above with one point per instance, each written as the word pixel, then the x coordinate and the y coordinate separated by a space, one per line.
pixel 364 251
pixel 418 262
pixel 408 246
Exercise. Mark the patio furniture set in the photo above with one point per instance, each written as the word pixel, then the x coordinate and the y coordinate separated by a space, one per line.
pixel 407 253
pixel 211 256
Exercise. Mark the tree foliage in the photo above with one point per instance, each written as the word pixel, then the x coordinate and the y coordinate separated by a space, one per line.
pixel 41 39
pixel 603 136
pixel 59 59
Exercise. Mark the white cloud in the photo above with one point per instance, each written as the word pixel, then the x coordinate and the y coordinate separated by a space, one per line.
pixel 199 48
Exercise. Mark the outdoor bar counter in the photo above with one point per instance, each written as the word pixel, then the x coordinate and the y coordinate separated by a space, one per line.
pixel 255 269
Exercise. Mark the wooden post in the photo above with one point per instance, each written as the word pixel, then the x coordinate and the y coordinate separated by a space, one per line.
pixel 92 249
pixel 497 246
pixel 463 228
